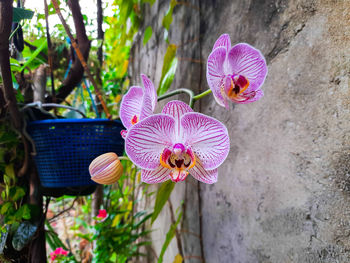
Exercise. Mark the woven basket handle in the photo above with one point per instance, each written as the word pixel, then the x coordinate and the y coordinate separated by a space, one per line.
pixel 40 105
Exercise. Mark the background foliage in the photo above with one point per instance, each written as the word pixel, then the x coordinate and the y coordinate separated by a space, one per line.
pixel 124 234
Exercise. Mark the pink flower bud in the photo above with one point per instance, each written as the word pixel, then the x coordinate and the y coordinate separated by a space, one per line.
pixel 106 169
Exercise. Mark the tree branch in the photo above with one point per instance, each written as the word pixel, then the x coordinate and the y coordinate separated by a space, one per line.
pixel 100 33
pixel 5 30
pixel 5 68
pixel 80 56
pixel 76 72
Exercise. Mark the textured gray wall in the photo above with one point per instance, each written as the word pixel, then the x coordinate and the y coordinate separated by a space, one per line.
pixel 283 193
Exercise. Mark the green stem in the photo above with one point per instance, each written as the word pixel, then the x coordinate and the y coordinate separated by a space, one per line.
pixel 179 91
pixel 133 176
pixel 14 31
pixel 187 91
pixel 201 95
pixel 124 158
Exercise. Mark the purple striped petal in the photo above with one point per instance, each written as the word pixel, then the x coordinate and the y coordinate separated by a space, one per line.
pixel 247 61
pixel 130 106
pixel 207 137
pixel 147 139
pixel 216 75
pixel 149 98
pixel 223 41
pixel 253 96
pixel 159 175
pixel 203 175
pixel 176 109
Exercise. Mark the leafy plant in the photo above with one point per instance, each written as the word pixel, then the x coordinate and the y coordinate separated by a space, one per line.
pixel 163 195
pixel 168 70
pixel 169 236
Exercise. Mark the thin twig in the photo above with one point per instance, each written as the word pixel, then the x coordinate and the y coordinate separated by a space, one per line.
pixel 177 234
pixel 200 220
pixel 63 211
pixel 154 252
pixel 49 53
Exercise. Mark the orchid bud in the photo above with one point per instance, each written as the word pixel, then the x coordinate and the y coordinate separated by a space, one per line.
pixel 106 169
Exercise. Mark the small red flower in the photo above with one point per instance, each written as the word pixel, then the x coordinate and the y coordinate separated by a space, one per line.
pixel 102 214
pixel 58 252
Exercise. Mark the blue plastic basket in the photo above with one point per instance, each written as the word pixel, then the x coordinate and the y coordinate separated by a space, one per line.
pixel 66 147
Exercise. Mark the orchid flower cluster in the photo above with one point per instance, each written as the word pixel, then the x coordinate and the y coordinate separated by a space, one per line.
pixel 178 141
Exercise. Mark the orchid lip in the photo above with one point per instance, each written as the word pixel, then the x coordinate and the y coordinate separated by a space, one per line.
pixel 178 176
pixel 234 86
pixel 179 160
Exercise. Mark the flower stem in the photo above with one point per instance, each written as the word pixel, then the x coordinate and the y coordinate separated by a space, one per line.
pixel 179 91
pixel 124 158
pixel 201 95
pixel 187 91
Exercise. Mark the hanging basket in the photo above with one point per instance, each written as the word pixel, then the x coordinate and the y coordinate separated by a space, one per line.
pixel 66 147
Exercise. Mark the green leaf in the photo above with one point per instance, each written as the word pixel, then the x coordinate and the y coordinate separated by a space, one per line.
pixel 168 18
pixel 3 194
pixel 5 207
pixel 50 241
pixel 23 235
pixel 169 237
pixel 168 65
pixel 84 236
pixel 16 193
pixel 54 237
pixel 149 1
pixel 113 257
pixel 20 13
pixel 147 35
pixel 23 213
pixel 141 221
pixel 168 78
pixel 163 195
pixel 34 55
pixel 15 65
pixel 10 172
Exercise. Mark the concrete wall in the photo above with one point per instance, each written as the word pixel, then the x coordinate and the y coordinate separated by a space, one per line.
pixel 283 193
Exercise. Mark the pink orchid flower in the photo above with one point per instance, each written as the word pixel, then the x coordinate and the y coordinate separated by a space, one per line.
pixel 177 142
pixel 102 214
pixel 137 104
pixel 235 73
